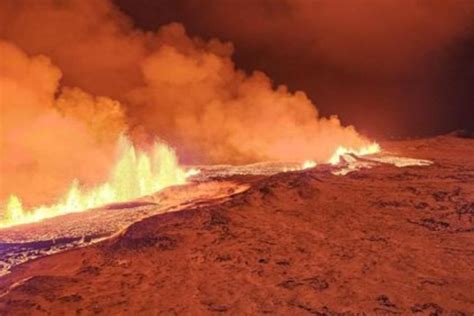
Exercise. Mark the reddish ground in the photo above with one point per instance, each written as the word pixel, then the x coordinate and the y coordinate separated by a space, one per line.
pixel 385 240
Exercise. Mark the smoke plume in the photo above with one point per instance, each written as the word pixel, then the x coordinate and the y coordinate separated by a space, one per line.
pixel 381 65
pixel 42 149
pixel 75 74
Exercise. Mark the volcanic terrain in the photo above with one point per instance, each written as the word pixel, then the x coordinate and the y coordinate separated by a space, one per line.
pixel 378 240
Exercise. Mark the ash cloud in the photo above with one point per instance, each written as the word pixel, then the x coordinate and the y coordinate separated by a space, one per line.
pixel 47 141
pixel 75 74
pixel 389 67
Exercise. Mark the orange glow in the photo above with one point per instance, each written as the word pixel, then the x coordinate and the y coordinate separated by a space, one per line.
pixel 308 164
pixel 67 108
pixel 135 174
pixel 362 151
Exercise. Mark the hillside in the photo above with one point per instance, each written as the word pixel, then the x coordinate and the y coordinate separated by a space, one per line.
pixel 384 240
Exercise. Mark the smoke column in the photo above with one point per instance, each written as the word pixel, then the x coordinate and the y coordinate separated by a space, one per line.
pixel 76 74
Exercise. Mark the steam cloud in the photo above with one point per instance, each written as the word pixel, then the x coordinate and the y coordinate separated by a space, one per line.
pixel 382 65
pixel 74 74
pixel 41 148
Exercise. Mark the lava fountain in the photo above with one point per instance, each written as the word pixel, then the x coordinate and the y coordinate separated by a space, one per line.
pixel 135 174
pixel 373 148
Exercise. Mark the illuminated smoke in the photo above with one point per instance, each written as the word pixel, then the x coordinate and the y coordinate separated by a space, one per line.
pixel 75 74
pixel 42 150
pixel 135 174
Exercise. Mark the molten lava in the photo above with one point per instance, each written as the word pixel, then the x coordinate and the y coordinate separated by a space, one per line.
pixel 135 174
pixel 362 151
pixel 308 164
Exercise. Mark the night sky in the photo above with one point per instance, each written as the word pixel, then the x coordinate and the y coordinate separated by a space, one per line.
pixel 391 68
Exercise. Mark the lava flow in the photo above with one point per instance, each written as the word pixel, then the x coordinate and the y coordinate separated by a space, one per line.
pixel 341 151
pixel 135 174
pixel 251 148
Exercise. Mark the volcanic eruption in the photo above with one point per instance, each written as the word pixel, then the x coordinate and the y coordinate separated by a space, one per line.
pixel 155 161
pixel 182 90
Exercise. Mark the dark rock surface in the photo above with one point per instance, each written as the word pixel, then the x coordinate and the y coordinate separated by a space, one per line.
pixel 385 241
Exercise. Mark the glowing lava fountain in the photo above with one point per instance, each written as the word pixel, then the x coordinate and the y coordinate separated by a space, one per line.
pixel 362 151
pixel 135 174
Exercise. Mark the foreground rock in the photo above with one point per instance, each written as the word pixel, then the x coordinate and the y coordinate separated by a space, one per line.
pixel 385 240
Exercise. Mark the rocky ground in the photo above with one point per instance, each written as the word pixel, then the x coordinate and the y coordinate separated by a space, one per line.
pixel 384 240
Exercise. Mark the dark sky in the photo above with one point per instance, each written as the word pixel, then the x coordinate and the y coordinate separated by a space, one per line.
pixel 391 68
